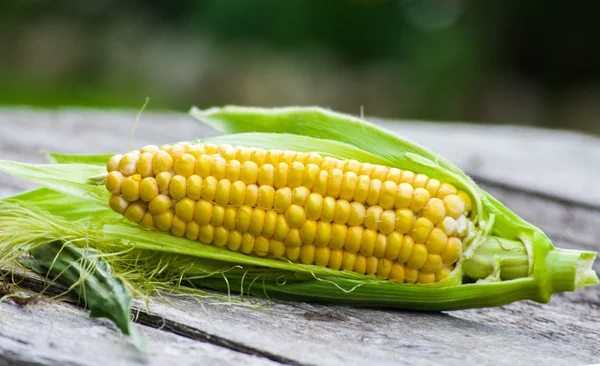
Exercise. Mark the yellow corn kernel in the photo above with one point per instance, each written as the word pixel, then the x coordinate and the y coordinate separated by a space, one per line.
pixel 311 174
pixel 420 181
pixel 338 236
pixel 420 198
pixel 314 206
pixel 367 244
pixel 163 180
pixel 219 167
pixel 340 164
pixel 266 175
pixel 352 166
pixel 379 172
pixel 251 197
pixel 407 177
pixel 295 216
pixel 433 186
pixel 276 248
pixel 442 274
pixel 421 230
pixel 426 277
pixel 437 241
pixel 178 227
pixel 176 151
pixel 348 260
pixel 281 175
pixel 373 217
pixel 360 265
pixel 178 187
pixel 163 221
pixel 274 156
pixel 194 187
pixel 387 197
pixel 446 189
pixel 320 185
pixel 394 244
pixel 245 154
pixel 221 235
pixel 233 171
pixel 397 272
pixel 282 228
pixel 196 150
pixel 328 163
pixel 218 215
pixel 238 193
pixel 192 230
pixel 434 210
pixel 307 254
pixel 244 213
pixel 404 220
pixel 159 204
pixel 357 214
pixel 348 187
pixel 202 212
pixel 144 164
pixel 404 196
pixel 223 192
pixel 130 188
pixel 372 263
pixel 211 149
pixel 308 231
pixel 257 221
pixel 354 239
pixel 113 163
pixel 288 157
pixel 184 209
pixel 296 174
pixel 228 152
pixel 266 197
pixel 259 157
pixel 161 162
pixel 128 163
pixel 408 245
pixel 455 206
pixel 374 192
pixel 292 253
pixel 322 256
pixel 185 165
pixel 465 197
pixel 113 182
pixel 394 174
pixel 452 251
pixel 283 199
pixel 229 217
pixel 261 246
pixel 314 158
pixel 342 211
pixel 384 267
pixel 299 195
pixel 433 263
pixel 249 174
pixel 234 240
pixel 270 223
pixel 323 233
pixel 135 212
pixel 328 209
pixel 148 220
pixel 334 183
pixel 247 244
pixel 387 222
pixel 365 169
pixel 204 165
pixel 380 245
pixel 410 275
pixel 417 257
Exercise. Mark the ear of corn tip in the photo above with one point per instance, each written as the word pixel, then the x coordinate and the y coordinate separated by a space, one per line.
pixel 341 214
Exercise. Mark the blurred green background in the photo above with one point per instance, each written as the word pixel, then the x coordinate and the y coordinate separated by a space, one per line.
pixel 511 61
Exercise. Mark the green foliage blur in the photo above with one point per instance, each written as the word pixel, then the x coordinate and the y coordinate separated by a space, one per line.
pixel 511 61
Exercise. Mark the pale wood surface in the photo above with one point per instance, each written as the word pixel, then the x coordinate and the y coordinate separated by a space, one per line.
pixel 548 177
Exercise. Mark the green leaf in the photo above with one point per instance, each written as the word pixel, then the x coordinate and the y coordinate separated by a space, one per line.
pixel 99 160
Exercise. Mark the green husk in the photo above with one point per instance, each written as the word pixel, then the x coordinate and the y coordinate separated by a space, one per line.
pixel 506 260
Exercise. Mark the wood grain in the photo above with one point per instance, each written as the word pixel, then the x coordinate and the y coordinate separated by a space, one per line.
pixel 547 177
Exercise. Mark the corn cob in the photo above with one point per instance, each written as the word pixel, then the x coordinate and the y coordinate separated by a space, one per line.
pixel 342 214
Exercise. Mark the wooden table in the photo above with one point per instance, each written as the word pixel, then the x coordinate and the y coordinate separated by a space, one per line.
pixel 548 177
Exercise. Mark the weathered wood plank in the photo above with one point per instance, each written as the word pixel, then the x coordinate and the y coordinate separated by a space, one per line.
pixel 566 331
pixel 55 333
